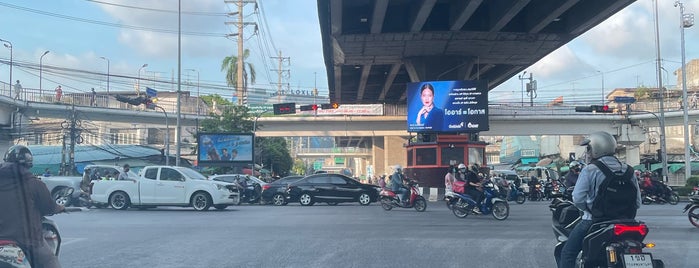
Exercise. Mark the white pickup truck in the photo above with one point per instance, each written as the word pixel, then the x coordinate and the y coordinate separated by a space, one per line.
pixel 165 186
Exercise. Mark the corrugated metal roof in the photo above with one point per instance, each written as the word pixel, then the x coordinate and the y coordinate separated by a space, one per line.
pixel 87 153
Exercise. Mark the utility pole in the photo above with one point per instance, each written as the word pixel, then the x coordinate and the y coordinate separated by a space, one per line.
pixel 74 137
pixel 280 72
pixel 240 91
pixel 531 89
pixel 68 165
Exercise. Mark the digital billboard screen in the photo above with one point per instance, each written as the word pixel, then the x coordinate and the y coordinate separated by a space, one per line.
pixel 448 106
pixel 225 148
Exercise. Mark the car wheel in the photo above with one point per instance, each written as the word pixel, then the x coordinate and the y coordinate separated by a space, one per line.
pixel 61 199
pixel 201 201
pixel 364 199
pixel 119 200
pixel 220 207
pixel 306 199
pixel 278 199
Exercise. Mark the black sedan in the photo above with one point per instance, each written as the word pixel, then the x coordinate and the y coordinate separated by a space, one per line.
pixel 275 192
pixel 331 188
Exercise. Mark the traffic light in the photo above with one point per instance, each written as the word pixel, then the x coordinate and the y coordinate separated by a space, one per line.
pixel 284 108
pixel 594 108
pixel 328 106
pixel 310 107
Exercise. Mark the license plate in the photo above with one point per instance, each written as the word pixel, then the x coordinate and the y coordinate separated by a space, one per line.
pixel 638 260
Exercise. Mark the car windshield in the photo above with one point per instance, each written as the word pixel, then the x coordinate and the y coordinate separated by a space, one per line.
pixel 192 174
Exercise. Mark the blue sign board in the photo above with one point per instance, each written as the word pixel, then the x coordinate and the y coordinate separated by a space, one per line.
pixel 624 99
pixel 151 92
pixel 448 106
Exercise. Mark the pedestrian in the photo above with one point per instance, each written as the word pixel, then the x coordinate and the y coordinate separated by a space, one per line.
pixel 693 100
pixel 92 97
pixel 59 93
pixel 18 90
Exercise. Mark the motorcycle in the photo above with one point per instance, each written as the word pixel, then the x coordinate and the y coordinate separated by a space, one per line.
pixel 536 193
pixel 13 255
pixel 463 204
pixel 666 195
pixel 389 199
pixel 615 243
pixel 693 208
pixel 516 194
pixel 551 188
pixel 249 193
pixel 695 190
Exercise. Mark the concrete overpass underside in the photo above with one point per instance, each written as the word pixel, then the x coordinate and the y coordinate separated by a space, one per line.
pixel 372 48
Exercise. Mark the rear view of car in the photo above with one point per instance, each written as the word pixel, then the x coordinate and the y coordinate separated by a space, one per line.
pixel 275 192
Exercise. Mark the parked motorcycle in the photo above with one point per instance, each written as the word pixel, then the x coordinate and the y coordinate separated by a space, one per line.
pixel 12 255
pixel 389 199
pixel 615 243
pixel 516 194
pixel 463 204
pixel 665 195
pixel 693 208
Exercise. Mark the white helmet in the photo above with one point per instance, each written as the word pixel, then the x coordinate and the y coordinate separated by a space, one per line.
pixel 462 166
pixel 599 144
pixel 398 168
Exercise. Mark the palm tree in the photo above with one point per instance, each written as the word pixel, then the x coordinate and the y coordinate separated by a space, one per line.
pixel 230 66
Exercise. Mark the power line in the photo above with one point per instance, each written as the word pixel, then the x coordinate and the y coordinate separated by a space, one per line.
pixel 159 10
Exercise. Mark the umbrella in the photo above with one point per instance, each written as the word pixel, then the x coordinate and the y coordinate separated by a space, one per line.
pixel 544 162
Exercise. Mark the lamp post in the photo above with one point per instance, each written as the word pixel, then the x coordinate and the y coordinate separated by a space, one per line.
pixel 104 58
pixel 663 144
pixel 603 96
pixel 167 137
pixel 138 87
pixel 8 44
pixel 198 97
pixel 686 21
pixel 41 60
pixel 521 79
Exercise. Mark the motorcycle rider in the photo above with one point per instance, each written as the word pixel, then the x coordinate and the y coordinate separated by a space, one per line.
pixel 600 146
pixel 397 184
pixel 449 179
pixel 573 173
pixel 24 200
pixel 473 187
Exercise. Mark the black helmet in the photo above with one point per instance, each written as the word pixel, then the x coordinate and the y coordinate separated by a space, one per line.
pixel 19 154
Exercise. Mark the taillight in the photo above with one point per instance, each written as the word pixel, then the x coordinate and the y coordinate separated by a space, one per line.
pixel 265 187
pixel 635 250
pixel 620 229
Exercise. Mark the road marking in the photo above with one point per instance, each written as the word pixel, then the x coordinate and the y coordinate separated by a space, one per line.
pixel 71 241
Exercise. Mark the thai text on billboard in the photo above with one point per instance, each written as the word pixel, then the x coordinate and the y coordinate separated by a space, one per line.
pixel 448 106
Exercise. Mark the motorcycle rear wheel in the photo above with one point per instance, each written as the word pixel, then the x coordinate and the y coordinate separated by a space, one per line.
pixel 520 199
pixel 693 215
pixel 386 204
pixel 460 209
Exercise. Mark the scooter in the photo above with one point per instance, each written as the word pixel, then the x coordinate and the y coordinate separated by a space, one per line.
pixel 463 204
pixel 615 243
pixel 516 195
pixel 389 199
pixel 693 208
pixel 12 254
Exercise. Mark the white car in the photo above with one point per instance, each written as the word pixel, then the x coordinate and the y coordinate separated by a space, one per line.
pixel 165 186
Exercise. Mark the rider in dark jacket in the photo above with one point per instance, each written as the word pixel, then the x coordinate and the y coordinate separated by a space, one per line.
pixel 24 200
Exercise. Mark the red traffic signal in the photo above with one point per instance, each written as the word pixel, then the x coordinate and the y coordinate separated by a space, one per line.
pixel 602 109
pixel 310 107
pixel 284 108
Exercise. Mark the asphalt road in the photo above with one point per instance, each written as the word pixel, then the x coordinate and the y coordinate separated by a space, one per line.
pixel 348 235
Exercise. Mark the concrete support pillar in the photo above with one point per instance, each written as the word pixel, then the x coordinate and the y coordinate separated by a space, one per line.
pixel 377 155
pixel 394 152
pixel 633 155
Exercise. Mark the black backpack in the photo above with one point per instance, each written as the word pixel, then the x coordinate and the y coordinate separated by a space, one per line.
pixel 616 196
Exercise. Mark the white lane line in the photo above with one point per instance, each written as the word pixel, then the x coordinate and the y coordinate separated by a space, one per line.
pixel 68 241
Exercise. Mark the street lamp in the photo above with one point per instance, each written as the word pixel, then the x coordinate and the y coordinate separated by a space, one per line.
pixel 198 98
pixel 167 137
pixel 138 87
pixel 686 21
pixel 661 88
pixel 8 44
pixel 521 79
pixel 603 96
pixel 108 79
pixel 41 60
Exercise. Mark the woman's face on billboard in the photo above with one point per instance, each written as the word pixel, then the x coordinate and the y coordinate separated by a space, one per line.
pixel 427 97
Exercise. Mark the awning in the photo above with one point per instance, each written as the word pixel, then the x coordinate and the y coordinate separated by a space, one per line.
pixel 527 160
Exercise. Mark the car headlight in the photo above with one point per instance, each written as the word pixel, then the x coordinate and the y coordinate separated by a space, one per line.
pixel 220 187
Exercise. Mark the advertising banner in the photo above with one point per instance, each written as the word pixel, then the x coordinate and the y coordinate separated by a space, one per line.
pixel 447 106
pixel 225 148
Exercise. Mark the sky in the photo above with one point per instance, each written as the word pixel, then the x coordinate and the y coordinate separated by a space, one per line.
pixel 618 53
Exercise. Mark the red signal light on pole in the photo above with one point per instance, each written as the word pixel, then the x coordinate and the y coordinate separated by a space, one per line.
pixel 314 107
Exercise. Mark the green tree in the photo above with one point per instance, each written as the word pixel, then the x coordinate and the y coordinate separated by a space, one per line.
pixel 209 100
pixel 275 155
pixel 642 92
pixel 230 66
